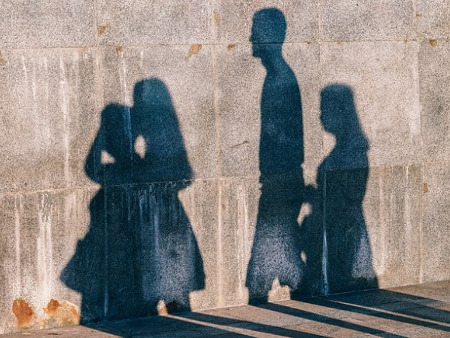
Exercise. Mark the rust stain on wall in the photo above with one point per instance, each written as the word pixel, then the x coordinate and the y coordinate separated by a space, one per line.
pixel 162 310
pixel 61 314
pixel 101 29
pixel 195 48
pixel 425 187
pixel 165 309
pixel 433 42
pixel 23 312
pixel 216 19
pixel 231 46
pixel 2 61
pixel 52 307
pixel 418 15
pixel 119 49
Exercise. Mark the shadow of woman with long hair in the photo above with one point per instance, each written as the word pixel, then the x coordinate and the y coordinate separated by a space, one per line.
pixel 140 254
pixel 339 256
pixel 175 267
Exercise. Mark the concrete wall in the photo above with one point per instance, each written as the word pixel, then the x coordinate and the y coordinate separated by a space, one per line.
pixel 131 139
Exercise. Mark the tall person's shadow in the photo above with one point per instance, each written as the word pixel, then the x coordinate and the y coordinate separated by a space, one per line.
pixel 337 245
pixel 276 251
pixel 140 252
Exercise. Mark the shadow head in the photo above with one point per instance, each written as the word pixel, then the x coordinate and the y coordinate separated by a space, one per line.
pixel 151 93
pixel 268 28
pixel 337 108
pixel 153 112
pixel 155 124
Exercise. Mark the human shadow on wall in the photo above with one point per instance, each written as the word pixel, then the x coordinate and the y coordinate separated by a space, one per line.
pixel 335 239
pixel 276 250
pixel 330 250
pixel 140 255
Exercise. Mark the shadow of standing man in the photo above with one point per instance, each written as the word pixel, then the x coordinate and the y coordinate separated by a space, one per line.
pixel 276 248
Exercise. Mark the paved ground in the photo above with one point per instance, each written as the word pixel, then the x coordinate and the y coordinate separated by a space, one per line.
pixel 414 311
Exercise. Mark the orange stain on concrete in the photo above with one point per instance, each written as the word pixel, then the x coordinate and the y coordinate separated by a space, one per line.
pixel 216 19
pixel 2 61
pixel 23 312
pixel 61 314
pixel 195 48
pixel 101 29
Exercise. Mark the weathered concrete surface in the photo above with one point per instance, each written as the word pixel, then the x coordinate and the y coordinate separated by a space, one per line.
pixel 398 240
pixel 433 19
pixel 436 221
pixel 48 24
pixel 434 73
pixel 414 311
pixel 150 153
pixel 140 22
pixel 49 109
pixel 52 221
pixel 353 21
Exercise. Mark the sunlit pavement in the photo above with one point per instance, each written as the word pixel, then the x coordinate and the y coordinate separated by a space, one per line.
pixel 413 311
